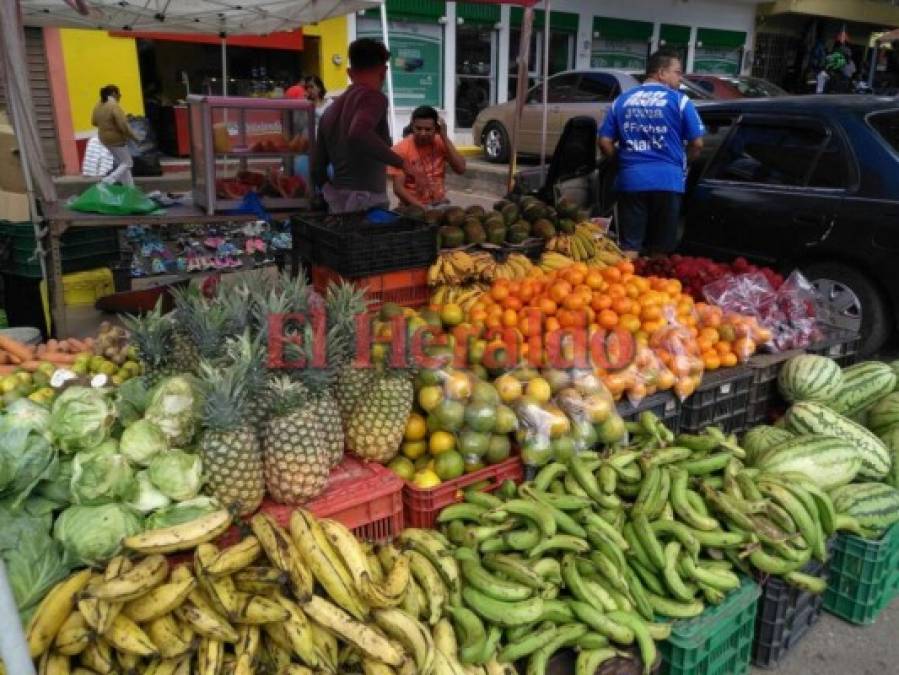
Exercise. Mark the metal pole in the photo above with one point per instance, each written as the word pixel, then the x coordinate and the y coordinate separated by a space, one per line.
pixel 13 645
pixel 391 106
pixel 545 88
pixel 524 50
pixel 224 66
pixel 872 70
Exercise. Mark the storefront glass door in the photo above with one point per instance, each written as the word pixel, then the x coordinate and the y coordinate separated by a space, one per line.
pixel 561 55
pixel 475 72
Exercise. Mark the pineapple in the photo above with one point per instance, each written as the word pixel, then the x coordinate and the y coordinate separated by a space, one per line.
pixel 203 325
pixel 378 421
pixel 153 335
pixel 345 302
pixel 352 383
pixel 296 457
pixel 232 458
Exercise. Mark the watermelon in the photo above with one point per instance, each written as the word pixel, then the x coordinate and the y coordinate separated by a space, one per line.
pixel 815 418
pixel 760 438
pixel 864 384
pixel 890 439
pixel 809 377
pixel 894 365
pixel 874 505
pixel 828 461
pixel 884 414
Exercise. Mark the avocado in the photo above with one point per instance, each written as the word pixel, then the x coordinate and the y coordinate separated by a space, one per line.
pixel 414 212
pixel 518 232
pixel 533 212
pixel 496 233
pixel 450 236
pixel 494 218
pixel 566 207
pixel 551 215
pixel 566 225
pixel 510 213
pixel 544 229
pixel 582 215
pixel 474 233
pixel 433 216
pixel 454 215
pixel 501 204
pixel 475 210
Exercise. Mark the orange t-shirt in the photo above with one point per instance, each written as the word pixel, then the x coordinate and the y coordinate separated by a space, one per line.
pixel 431 160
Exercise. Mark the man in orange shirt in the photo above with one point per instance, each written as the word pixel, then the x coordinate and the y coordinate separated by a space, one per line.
pixel 429 149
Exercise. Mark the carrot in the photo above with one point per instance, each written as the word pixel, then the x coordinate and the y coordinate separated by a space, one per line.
pixel 89 342
pixel 30 366
pixel 40 349
pixel 7 369
pixel 77 345
pixel 16 348
pixel 58 357
pixel 13 358
pixel 51 345
pixel 4 358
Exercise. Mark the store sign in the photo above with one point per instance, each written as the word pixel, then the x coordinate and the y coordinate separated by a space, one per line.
pixel 416 60
pixel 718 60
pixel 626 54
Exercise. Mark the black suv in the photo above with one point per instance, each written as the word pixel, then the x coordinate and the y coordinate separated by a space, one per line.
pixel 809 182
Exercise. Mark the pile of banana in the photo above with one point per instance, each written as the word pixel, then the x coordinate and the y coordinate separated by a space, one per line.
pixel 311 600
pixel 588 244
pixel 553 260
pixel 464 296
pixel 459 267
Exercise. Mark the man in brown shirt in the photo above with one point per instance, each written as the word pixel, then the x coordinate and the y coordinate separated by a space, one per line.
pixel 354 138
pixel 114 132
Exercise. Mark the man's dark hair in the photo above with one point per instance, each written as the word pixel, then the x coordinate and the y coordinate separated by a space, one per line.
pixel 367 53
pixel 660 60
pixel 425 112
pixel 109 90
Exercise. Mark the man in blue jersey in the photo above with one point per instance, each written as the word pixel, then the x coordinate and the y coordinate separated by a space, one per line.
pixel 651 125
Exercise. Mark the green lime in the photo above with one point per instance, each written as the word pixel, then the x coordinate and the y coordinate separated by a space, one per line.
pixel 536 450
pixel 449 465
pixel 612 430
pixel 450 414
pixel 563 448
pixel 499 450
pixel 473 443
pixel 480 416
pixel 506 420
pixel 484 392
pixel 402 467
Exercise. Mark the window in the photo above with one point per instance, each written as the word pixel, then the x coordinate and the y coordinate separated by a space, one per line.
pixel 596 87
pixel 771 154
pixel 832 169
pixel 562 89
pixel 886 124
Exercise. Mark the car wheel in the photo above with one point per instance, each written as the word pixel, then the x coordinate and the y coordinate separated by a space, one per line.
pixel 851 301
pixel 496 143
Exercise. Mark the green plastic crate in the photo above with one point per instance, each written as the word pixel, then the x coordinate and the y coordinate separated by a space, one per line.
pixel 81 249
pixel 864 576
pixel 718 641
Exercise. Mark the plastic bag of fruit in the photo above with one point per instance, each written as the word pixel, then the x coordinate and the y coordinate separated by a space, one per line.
pixel 678 349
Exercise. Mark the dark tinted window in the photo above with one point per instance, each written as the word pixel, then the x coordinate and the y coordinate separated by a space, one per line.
pixel 769 154
pixel 597 87
pixel 832 169
pixel 704 84
pixel 887 125
pixel 562 89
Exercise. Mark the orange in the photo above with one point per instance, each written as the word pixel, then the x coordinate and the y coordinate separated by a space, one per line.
pixel 629 322
pixel 575 301
pixel 617 290
pixel 499 292
pixel 651 313
pixel 622 305
pixel 548 306
pixel 729 360
pixel 560 290
pixel 608 318
pixel 513 302
pixel 573 276
pixel 601 302
pixel 611 274
pixel 593 279
pixel 723 348
pixel 552 324
pixel 709 334
pixel 510 318
pixel 626 266
pixel 711 361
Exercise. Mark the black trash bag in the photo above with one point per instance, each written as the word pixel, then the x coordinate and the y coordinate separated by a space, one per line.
pixel 144 151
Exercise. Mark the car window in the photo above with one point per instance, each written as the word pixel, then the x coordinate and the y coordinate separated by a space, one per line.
pixel 596 87
pixel 563 88
pixel 717 127
pixel 769 154
pixel 751 87
pixel 704 84
pixel 886 124
pixel 832 168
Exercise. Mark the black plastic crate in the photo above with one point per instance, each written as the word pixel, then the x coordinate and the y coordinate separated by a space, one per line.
pixel 353 246
pixel 785 615
pixel 764 394
pixel 840 345
pixel 664 405
pixel 721 400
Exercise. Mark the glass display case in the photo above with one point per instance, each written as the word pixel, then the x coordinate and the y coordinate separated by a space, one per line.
pixel 243 145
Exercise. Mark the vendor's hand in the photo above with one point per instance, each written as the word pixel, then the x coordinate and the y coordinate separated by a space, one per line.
pixel 441 128
pixel 412 170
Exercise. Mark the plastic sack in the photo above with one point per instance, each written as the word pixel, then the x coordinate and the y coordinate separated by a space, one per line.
pixel 678 349
pixel 113 200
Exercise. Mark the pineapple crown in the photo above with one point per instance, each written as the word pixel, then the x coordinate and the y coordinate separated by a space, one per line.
pixel 153 334
pixel 344 302
pixel 250 353
pixel 287 393
pixel 209 322
pixel 224 394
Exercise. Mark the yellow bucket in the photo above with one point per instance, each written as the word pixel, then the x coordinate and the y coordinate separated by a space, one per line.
pixel 81 288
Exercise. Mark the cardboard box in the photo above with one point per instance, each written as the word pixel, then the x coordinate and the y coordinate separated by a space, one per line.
pixel 14 207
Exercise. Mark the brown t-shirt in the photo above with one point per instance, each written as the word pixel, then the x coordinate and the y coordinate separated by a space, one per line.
pixel 354 138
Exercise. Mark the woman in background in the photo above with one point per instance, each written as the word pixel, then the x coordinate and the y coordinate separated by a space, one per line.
pixel 315 93
pixel 114 133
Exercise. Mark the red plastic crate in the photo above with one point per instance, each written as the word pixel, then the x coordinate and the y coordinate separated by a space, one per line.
pixel 365 497
pixel 407 288
pixel 422 506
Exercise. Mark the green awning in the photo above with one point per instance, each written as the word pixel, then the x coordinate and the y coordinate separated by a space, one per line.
pixel 674 35
pixel 710 37
pixel 411 10
pixel 622 29
pixel 477 13
pixel 562 21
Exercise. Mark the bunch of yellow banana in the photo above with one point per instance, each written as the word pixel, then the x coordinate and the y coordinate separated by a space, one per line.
pixel 553 260
pixel 516 266
pixel 465 295
pixel 579 246
pixel 453 267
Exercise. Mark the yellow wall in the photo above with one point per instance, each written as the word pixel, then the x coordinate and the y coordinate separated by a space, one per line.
pixel 332 36
pixel 93 59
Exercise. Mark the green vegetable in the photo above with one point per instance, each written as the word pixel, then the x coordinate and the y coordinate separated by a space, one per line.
pixel 131 400
pixel 177 474
pixel 58 489
pixel 142 441
pixel 26 456
pixel 148 497
pixel 102 475
pixel 81 419
pixel 93 534
pixel 181 512
pixel 174 407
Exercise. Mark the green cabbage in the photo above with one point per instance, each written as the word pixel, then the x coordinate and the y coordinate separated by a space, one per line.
pixel 102 475
pixel 177 474
pixel 26 456
pixel 182 512
pixel 148 497
pixel 30 415
pixel 81 418
pixel 131 400
pixel 174 407
pixel 142 441
pixel 59 488
pixel 93 534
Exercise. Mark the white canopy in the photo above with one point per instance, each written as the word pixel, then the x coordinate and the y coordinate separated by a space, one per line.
pixel 233 17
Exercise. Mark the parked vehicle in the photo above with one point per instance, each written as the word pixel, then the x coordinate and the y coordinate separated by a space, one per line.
pixel 570 94
pixel 809 182
pixel 730 86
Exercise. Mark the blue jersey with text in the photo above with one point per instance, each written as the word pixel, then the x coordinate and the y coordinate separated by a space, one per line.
pixel 651 124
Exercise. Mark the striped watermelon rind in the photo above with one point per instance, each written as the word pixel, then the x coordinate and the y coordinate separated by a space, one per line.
pixel 828 461
pixel 864 384
pixel 890 439
pixel 762 437
pixel 815 418
pixel 894 365
pixel 809 377
pixel 883 414
pixel 874 505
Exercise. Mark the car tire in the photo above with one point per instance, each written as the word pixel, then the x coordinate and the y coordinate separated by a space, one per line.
pixel 495 142
pixel 851 301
